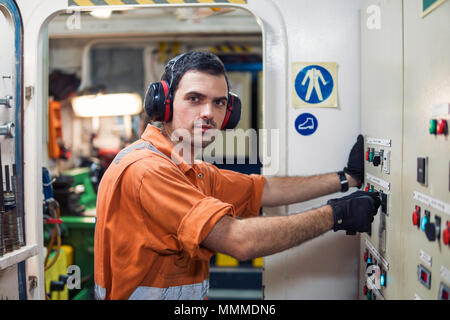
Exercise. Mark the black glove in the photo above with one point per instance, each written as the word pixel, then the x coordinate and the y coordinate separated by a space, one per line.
pixel 355 164
pixel 355 212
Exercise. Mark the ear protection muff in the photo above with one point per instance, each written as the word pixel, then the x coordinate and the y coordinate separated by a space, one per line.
pixel 158 102
pixel 233 114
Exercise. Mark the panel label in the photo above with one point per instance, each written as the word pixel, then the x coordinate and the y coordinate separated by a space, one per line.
pixel 440 110
pixel 445 274
pixel 432 202
pixel 378 181
pixel 425 257
pixel 379 142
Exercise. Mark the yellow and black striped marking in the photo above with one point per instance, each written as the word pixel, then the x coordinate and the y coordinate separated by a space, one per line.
pixel 229 48
pixel 87 3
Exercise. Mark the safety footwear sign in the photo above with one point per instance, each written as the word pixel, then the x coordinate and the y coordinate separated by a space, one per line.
pixel 315 84
pixel 306 124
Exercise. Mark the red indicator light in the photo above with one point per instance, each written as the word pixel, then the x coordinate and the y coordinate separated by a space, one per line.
pixel 441 127
pixel 424 276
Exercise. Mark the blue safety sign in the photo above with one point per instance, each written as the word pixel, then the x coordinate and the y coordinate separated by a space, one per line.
pixel 306 124
pixel 314 84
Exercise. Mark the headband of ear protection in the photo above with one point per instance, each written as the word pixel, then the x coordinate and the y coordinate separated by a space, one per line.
pixel 158 102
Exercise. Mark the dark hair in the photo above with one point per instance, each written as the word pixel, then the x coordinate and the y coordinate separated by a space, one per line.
pixel 193 60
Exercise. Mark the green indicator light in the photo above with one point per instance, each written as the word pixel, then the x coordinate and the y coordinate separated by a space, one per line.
pixel 433 125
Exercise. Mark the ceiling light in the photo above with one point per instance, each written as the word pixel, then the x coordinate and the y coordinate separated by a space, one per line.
pixel 101 13
pixel 107 105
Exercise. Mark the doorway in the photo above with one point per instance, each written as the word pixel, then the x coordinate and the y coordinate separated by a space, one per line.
pixel 122 51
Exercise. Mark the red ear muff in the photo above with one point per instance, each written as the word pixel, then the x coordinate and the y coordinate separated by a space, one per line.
pixel 233 113
pixel 158 102
pixel 168 102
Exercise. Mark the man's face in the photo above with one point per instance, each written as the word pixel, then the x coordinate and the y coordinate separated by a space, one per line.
pixel 199 105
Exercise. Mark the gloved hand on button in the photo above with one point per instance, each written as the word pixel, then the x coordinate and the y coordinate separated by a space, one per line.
pixel 355 212
pixel 355 164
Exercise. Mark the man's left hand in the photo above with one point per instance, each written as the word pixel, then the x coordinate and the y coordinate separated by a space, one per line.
pixel 355 164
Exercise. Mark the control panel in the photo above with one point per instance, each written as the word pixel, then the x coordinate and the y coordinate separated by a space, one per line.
pixel 405 114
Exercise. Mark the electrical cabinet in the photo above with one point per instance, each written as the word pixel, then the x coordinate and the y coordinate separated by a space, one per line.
pixel 405 75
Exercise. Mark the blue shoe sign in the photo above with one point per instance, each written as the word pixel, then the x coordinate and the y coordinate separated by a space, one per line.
pixel 306 124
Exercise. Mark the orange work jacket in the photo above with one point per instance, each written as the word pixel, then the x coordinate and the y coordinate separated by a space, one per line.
pixel 153 214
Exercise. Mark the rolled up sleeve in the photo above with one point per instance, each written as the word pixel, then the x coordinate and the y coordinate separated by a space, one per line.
pixel 178 216
pixel 198 223
pixel 243 191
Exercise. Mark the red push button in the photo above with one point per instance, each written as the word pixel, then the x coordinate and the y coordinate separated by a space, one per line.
pixel 416 217
pixel 441 127
pixel 367 154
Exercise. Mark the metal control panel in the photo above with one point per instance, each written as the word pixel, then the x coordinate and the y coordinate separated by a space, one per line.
pixel 405 115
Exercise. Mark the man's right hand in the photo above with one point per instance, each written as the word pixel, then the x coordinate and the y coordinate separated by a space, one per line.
pixel 355 212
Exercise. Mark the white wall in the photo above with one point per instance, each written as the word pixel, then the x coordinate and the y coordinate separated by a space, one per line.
pixel 321 31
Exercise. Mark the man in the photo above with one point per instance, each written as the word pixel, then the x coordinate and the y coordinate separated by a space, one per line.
pixel 161 214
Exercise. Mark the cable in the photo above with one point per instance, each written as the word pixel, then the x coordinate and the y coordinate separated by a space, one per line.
pixel 55 234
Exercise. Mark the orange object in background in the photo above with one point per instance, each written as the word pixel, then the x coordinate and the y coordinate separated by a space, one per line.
pixel 56 149
pixel 54 129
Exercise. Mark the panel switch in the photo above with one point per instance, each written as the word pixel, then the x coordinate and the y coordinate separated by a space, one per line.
pixel 424 276
pixel 386 162
pixel 444 291
pixel 384 202
pixel 433 230
pixel 422 170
